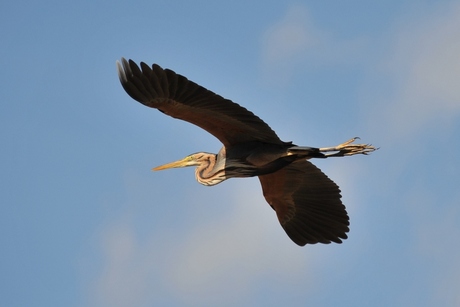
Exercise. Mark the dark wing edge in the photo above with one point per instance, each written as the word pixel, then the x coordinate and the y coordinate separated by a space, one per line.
pixel 175 95
pixel 307 204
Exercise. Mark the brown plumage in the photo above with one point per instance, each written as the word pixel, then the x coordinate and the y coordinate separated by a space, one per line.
pixel 306 201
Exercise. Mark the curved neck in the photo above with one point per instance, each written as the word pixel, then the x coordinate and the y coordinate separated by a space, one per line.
pixel 211 170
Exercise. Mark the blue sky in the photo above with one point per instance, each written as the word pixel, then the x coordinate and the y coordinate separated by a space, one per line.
pixel 84 222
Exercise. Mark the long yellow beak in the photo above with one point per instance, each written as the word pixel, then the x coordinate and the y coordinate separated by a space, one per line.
pixel 181 163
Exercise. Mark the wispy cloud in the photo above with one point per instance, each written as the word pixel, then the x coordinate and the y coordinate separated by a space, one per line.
pixel 226 259
pixel 128 268
pixel 211 263
pixel 416 120
pixel 424 65
pixel 235 252
pixel 295 41
pixel 291 37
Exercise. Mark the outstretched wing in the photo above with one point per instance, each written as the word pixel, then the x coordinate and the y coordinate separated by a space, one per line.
pixel 307 204
pixel 180 98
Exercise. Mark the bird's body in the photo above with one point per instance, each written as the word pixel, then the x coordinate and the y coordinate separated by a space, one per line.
pixel 306 201
pixel 242 160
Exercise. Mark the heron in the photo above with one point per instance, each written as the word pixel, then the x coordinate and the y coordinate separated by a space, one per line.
pixel 306 202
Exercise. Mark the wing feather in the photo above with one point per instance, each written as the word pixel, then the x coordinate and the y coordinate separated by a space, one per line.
pixel 307 204
pixel 181 98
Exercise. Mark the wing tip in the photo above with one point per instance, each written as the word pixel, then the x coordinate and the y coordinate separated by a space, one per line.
pixel 302 234
pixel 122 70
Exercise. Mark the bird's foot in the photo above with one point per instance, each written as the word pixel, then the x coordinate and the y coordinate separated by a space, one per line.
pixel 348 149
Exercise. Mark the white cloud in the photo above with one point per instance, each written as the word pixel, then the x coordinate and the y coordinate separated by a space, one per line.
pixel 423 101
pixel 290 37
pixel 436 230
pixel 235 251
pixel 209 263
pixel 128 268
pixel 223 260
pixel 296 42
pixel 425 66
pixel 288 44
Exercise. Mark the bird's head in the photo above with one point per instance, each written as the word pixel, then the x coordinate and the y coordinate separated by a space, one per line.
pixel 191 160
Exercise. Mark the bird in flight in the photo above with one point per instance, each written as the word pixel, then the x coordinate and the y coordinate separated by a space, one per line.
pixel 307 203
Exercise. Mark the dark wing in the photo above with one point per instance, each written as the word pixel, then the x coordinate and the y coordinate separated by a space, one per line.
pixel 307 204
pixel 178 97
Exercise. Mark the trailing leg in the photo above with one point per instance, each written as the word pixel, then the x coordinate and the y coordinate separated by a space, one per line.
pixel 348 149
pixel 341 150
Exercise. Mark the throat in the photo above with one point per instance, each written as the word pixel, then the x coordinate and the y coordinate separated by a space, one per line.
pixel 210 171
pixel 216 178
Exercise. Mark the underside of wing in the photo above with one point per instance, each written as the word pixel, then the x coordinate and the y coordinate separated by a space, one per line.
pixel 181 98
pixel 307 204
